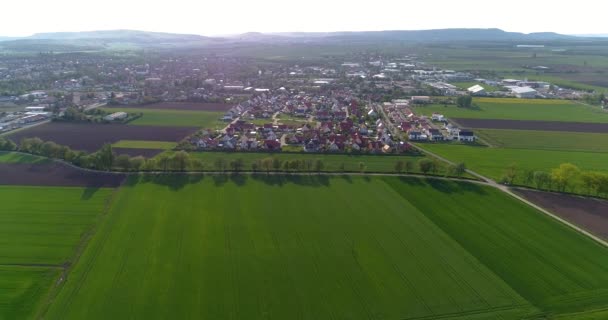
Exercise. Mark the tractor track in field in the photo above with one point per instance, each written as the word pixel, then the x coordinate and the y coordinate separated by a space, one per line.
pixel 35 265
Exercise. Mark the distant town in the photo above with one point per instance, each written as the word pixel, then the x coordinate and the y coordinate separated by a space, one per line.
pixel 366 104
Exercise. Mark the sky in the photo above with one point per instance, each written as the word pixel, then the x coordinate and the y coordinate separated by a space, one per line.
pixel 223 17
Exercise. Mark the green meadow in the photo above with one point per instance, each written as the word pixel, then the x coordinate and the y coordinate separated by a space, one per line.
pixel 492 162
pixel 175 118
pixel 40 230
pixel 545 140
pixel 520 109
pixel 314 247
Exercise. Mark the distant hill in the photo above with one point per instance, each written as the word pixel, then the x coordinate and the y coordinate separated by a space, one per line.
pixel 440 35
pixel 130 39
pixel 117 34
pixel 593 35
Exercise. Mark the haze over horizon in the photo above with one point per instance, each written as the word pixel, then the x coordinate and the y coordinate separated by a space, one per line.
pixel 238 16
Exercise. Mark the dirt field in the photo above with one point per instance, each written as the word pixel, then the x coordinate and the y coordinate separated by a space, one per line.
pixel 55 174
pixel 188 106
pixel 533 125
pixel 134 152
pixel 590 214
pixel 90 137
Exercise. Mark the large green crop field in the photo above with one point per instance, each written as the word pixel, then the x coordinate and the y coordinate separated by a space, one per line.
pixel 40 229
pixel 521 109
pixel 545 140
pixel 175 118
pixel 492 162
pixel 313 247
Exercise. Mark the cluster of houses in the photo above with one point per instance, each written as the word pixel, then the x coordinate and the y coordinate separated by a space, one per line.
pixel 417 128
pixel 328 136
pixel 336 122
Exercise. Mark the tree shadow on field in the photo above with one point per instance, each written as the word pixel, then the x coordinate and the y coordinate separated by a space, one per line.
pixel 238 179
pixel 347 178
pixel 89 192
pixel 301 180
pixel 412 181
pixel 174 182
pixel 450 187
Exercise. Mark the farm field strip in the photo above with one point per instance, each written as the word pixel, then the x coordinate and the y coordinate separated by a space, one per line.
pixel 40 229
pixel 520 109
pixel 545 140
pixel 331 162
pixel 144 144
pixel 42 225
pixel 230 252
pixel 56 174
pixel 533 125
pixel 570 270
pixel 14 157
pixel 185 106
pixel 135 152
pixel 175 118
pixel 588 213
pixel 492 162
pixel 90 137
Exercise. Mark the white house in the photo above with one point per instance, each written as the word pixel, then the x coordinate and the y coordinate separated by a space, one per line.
pixel 477 90
pixel 524 92
pixel 115 116
pixel 466 135
pixel 437 117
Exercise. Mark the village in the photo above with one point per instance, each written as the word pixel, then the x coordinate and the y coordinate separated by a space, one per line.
pixel 365 104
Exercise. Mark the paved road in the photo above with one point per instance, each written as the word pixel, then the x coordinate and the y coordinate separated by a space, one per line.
pixel 233 121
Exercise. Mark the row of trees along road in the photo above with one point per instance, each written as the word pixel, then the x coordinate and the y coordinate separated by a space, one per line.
pixel 567 177
pixel 106 159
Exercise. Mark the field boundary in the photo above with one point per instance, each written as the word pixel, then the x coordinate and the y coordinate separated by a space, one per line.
pixel 73 260
pixel 507 190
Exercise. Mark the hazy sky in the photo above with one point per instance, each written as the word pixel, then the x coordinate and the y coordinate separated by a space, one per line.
pixel 24 17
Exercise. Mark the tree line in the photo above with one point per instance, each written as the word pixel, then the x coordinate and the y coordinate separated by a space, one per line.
pixel 567 177
pixel 105 159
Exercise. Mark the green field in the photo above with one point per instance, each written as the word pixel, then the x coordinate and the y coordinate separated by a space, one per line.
pixel 331 162
pixel 144 144
pixel 175 118
pixel 329 248
pixel 12 157
pixel 23 289
pixel 40 230
pixel 545 140
pixel 521 109
pixel 492 162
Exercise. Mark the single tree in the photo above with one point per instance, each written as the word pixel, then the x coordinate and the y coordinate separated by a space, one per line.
pixel 565 175
pixel 399 165
pixel 123 161
pixel 460 169
pixel 181 160
pixel 425 165
pixel 541 179
pixel 319 165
